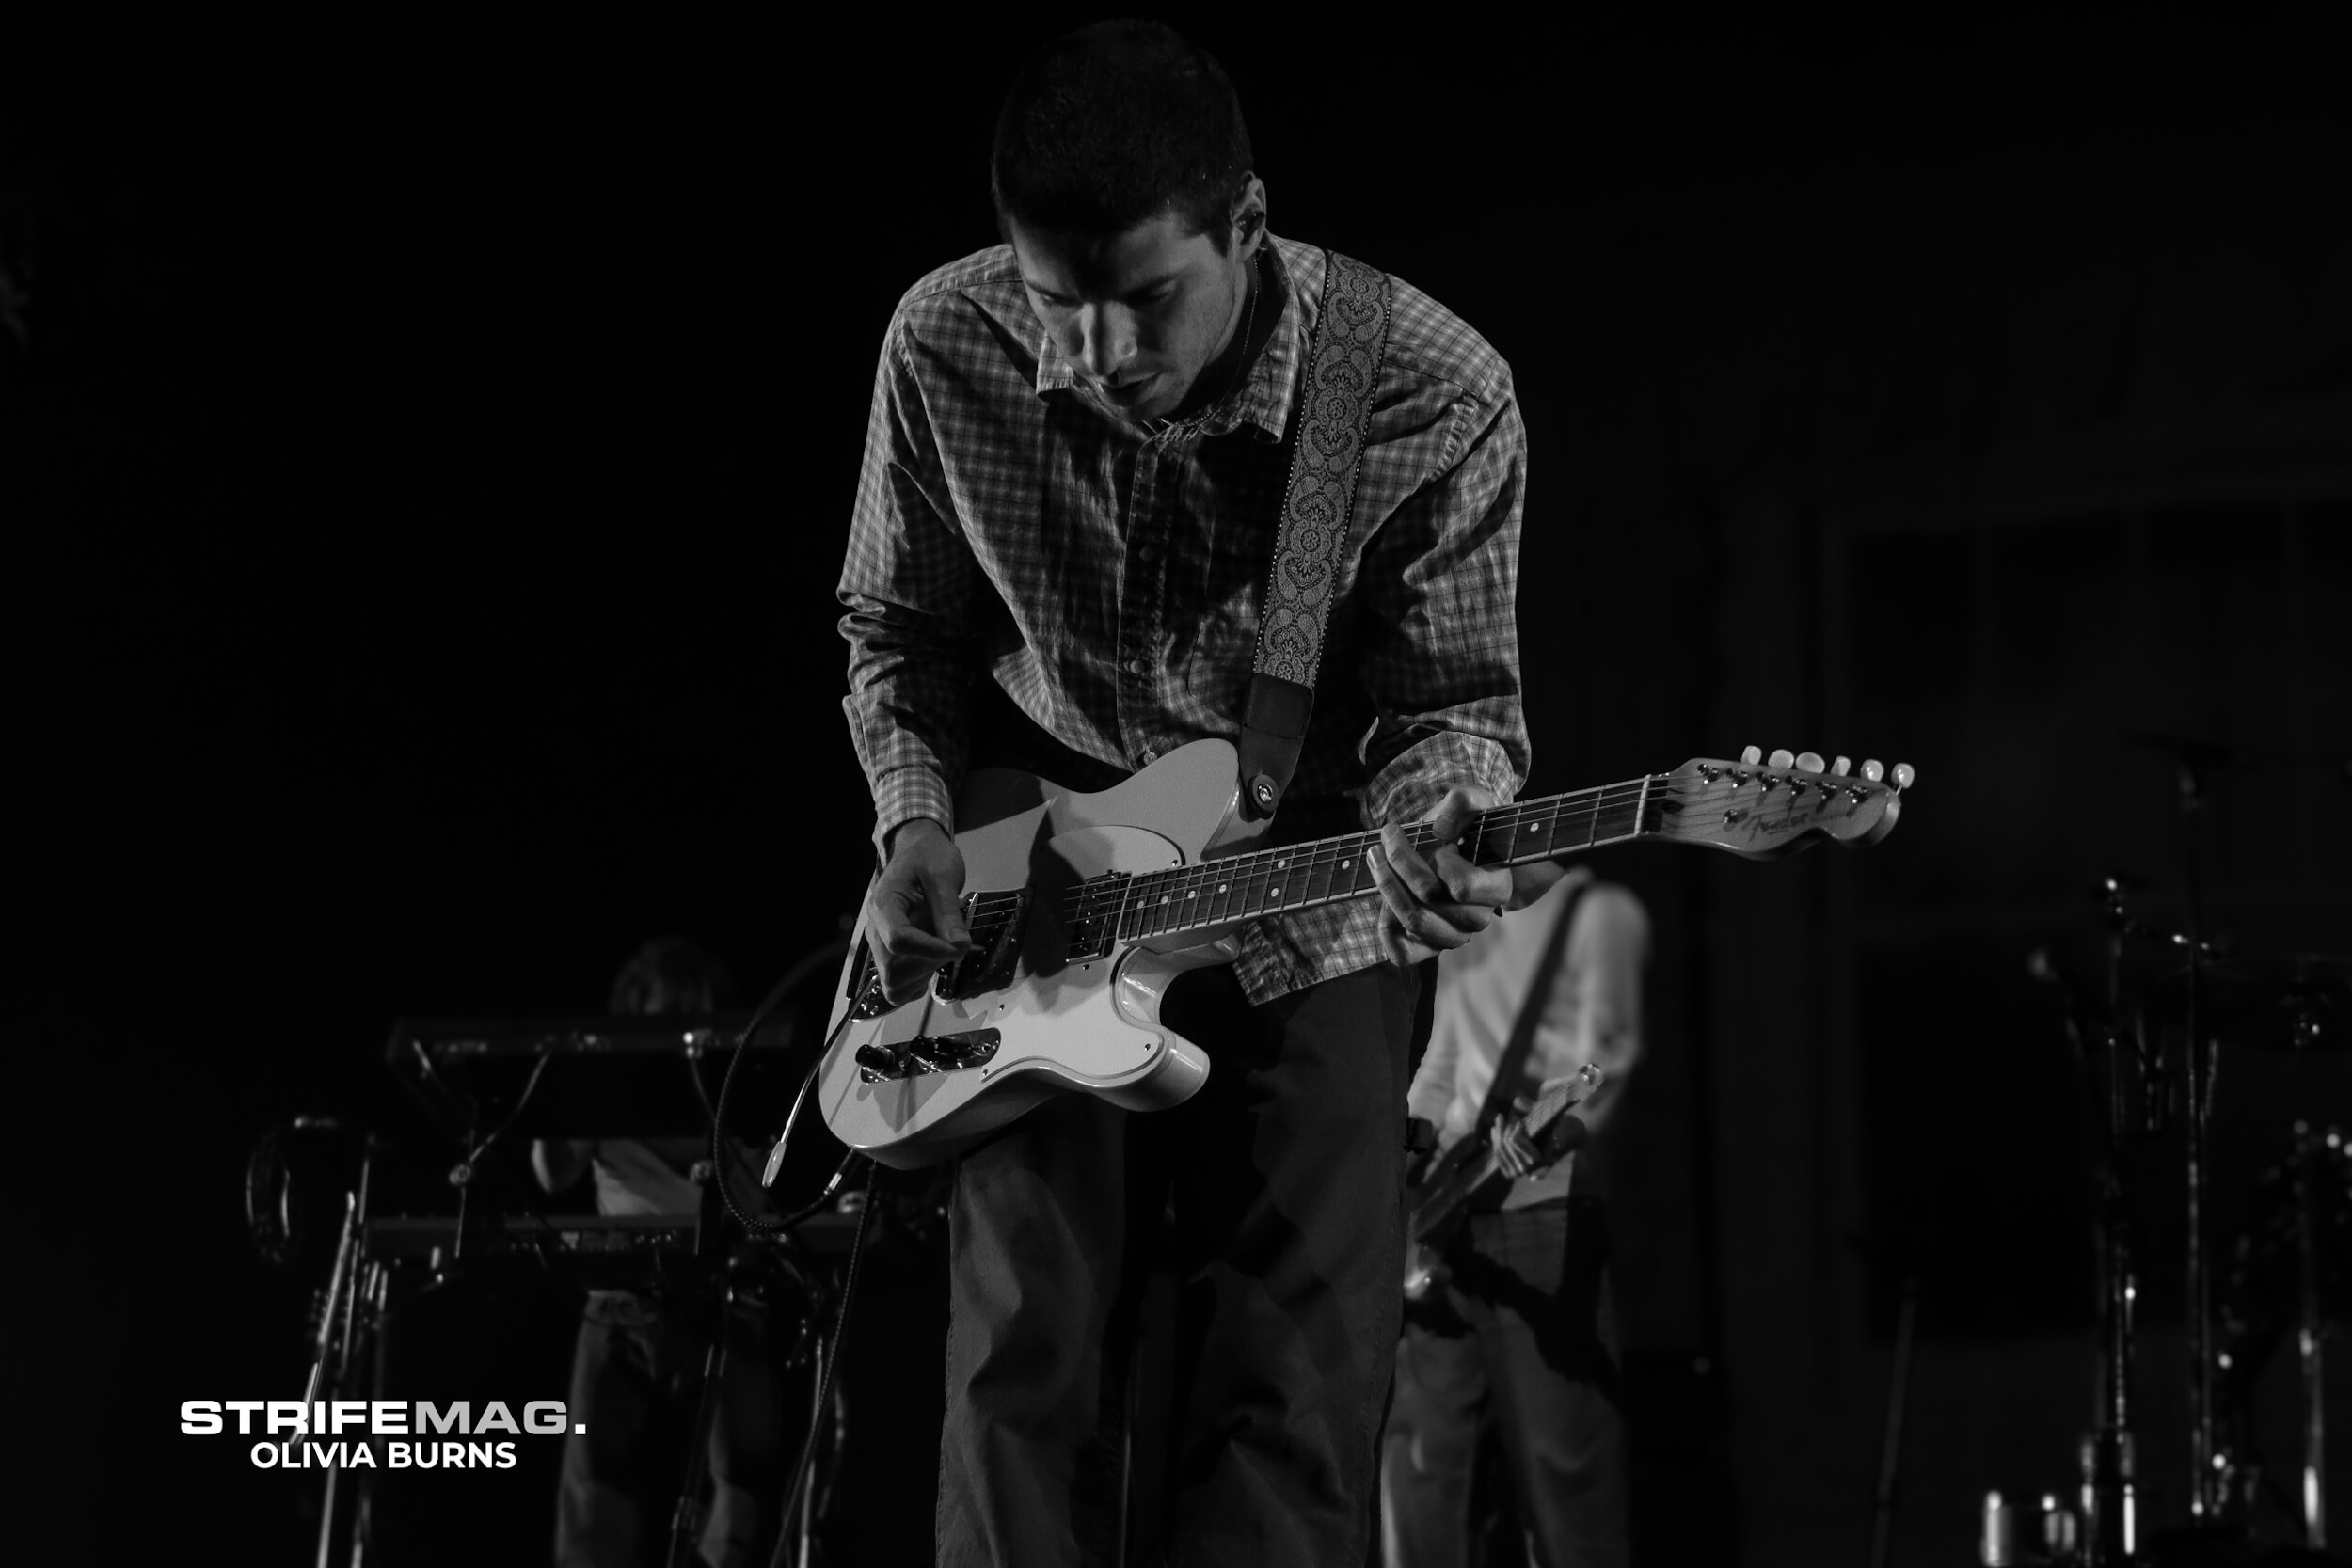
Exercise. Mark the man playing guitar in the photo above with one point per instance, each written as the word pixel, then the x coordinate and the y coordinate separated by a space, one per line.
pixel 1073 470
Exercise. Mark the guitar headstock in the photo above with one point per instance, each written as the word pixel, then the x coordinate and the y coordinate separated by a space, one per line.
pixel 1566 1095
pixel 1766 806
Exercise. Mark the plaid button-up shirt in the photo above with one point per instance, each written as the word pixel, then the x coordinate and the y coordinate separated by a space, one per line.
pixel 1109 577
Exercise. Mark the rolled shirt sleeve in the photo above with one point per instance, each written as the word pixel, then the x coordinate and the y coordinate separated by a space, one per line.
pixel 1440 582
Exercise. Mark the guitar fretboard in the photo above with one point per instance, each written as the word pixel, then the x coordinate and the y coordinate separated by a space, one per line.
pixel 1328 870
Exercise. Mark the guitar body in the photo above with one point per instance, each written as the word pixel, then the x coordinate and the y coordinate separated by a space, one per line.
pixel 1438 1208
pixel 1062 1022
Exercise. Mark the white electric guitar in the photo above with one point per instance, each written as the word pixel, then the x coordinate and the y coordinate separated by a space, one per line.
pixel 1084 907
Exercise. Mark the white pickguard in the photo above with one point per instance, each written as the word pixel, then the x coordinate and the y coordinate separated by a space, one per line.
pixel 1091 1025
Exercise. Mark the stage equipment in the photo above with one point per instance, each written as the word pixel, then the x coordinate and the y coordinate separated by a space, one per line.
pixel 296 1183
pixel 597 1252
pixel 342 1322
pixel 483 1081
pixel 633 1076
pixel 2160 986
pixel 2192 759
pixel 2290 1277
pixel 2297 1242
pixel 2129 1082
pixel 581 1077
pixel 2295 1251
pixel 2298 1004
pixel 2301 1002
pixel 698 1265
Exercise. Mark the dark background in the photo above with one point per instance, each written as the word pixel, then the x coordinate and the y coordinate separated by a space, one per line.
pixel 426 437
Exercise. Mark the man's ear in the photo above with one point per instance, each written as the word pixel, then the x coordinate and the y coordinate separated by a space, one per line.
pixel 1249 214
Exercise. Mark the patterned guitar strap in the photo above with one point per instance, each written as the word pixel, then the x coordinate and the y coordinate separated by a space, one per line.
pixel 1335 390
pixel 1512 1062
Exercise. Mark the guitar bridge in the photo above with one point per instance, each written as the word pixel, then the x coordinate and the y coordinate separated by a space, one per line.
pixel 927 1053
pixel 996 920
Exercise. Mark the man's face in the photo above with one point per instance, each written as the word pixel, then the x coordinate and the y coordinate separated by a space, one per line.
pixel 1140 313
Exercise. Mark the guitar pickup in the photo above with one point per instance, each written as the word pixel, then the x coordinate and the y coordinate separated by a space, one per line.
pixel 1094 927
pixel 996 920
pixel 927 1053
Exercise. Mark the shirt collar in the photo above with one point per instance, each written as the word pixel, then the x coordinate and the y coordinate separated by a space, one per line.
pixel 1265 396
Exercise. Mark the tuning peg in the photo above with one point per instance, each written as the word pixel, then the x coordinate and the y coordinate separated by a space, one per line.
pixel 1903 775
pixel 1872 772
pixel 1751 756
pixel 1809 761
pixel 1841 766
pixel 1782 757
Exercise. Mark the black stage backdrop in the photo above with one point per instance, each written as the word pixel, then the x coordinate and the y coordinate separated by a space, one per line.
pixel 426 439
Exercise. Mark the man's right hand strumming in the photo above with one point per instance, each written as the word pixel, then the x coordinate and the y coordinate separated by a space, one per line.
pixel 914 917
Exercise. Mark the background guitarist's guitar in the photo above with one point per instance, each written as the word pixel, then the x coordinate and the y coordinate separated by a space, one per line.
pixel 1471 1169
pixel 1084 907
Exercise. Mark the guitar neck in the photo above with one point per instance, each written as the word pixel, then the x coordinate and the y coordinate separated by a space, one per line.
pixel 1331 870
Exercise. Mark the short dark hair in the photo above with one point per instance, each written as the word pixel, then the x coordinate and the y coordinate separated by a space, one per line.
pixel 1115 124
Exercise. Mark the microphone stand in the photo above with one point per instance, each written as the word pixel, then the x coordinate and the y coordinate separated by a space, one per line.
pixel 2311 1326
pixel 2208 1466
pixel 339 1321
pixel 2204 1494
pixel 2108 1457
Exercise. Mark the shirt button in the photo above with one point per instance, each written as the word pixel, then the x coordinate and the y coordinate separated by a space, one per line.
pixel 1147 553
pixel 1138 665
pixel 1151 757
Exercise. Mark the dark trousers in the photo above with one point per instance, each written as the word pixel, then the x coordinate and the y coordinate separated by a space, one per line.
pixel 1282 1185
pixel 1523 1335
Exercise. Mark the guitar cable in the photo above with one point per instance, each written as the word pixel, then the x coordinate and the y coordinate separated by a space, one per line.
pixel 474 1156
pixel 805 1465
pixel 793 979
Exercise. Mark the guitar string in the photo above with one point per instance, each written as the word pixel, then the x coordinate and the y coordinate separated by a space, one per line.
pixel 1550 812
pixel 1582 808
pixel 1185 898
pixel 1496 821
pixel 1338 849
pixel 1255 874
pixel 1242 891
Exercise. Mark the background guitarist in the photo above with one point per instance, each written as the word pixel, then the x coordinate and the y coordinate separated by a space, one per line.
pixel 1070 491
pixel 1521 1336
